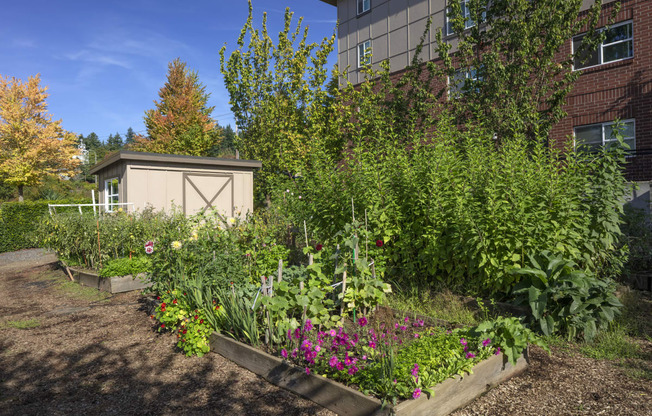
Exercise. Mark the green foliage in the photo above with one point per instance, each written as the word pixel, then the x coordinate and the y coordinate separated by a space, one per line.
pixel 637 229
pixel 20 324
pixel 612 344
pixel 275 90
pixel 510 335
pixel 126 266
pixel 239 320
pixel 93 240
pixel 19 222
pixel 517 53
pixel 565 300
pixel 442 305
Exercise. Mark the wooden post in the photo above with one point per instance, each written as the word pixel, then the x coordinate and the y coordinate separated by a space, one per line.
pixel 305 232
pixel 343 290
pixel 280 270
pixel 310 259
pixel 373 269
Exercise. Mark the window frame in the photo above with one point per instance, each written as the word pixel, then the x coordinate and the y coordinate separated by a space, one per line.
pixel 467 75
pixel 360 5
pixel 364 52
pixel 600 49
pixel 604 140
pixel 108 194
pixel 465 9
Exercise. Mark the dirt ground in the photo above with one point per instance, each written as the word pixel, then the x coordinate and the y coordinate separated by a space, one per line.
pixel 65 351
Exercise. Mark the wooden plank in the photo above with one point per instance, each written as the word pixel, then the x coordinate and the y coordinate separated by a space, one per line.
pixel 328 393
pixel 457 392
pixel 116 284
pixel 449 395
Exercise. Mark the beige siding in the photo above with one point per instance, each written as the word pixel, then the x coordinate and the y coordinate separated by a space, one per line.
pixel 181 186
pixel 394 28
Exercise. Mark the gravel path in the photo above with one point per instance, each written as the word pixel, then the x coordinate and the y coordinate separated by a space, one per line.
pixel 84 353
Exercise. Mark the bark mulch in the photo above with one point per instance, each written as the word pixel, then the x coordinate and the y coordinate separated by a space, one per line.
pixel 88 353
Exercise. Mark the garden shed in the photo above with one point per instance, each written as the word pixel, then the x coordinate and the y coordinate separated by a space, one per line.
pixel 189 183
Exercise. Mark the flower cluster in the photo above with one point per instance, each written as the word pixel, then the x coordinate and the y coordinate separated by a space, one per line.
pixel 149 247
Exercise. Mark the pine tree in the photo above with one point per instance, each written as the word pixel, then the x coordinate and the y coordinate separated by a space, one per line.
pixel 181 123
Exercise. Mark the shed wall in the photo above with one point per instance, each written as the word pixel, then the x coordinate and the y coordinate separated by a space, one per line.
pixel 117 170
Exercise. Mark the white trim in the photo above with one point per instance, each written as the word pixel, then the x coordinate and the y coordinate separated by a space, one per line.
pixel 108 204
pixel 602 46
pixel 364 48
pixel 360 6
pixel 605 140
pixel 467 15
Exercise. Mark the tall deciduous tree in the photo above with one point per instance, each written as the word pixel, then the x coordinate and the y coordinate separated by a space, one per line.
pixel 512 69
pixel 181 123
pixel 275 89
pixel 32 145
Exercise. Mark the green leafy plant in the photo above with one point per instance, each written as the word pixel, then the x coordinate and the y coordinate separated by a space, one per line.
pixel 563 299
pixel 239 320
pixel 126 266
pixel 510 335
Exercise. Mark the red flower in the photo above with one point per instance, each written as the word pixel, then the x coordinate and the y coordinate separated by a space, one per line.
pixel 184 331
pixel 163 305
pixel 162 325
pixel 201 321
pixel 184 340
pixel 158 298
pixel 196 316
pixel 174 301
pixel 184 293
pixel 162 309
pixel 379 243
pixel 318 247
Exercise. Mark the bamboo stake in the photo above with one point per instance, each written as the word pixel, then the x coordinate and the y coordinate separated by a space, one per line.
pixel 366 238
pixel 280 270
pixel 305 231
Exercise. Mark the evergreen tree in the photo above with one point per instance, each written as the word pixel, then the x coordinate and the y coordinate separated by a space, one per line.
pixel 181 123
pixel 114 143
pixel 129 137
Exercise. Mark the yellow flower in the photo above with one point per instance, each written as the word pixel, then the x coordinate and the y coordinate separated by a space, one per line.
pixel 231 221
pixel 176 245
pixel 194 236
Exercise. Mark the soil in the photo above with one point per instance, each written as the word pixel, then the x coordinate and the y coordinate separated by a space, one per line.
pixel 93 354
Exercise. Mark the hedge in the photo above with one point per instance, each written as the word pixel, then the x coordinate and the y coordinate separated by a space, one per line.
pixel 18 221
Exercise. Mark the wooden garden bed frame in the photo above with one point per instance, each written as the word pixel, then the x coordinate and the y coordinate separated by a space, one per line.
pixel 115 284
pixel 449 395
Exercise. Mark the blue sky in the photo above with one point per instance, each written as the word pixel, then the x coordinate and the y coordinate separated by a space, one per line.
pixel 104 61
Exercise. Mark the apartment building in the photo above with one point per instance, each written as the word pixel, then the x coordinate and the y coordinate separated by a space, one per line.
pixel 615 83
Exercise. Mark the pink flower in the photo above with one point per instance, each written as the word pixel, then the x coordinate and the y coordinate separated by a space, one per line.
pixel 317 348
pixel 497 351
pixel 463 341
pixel 416 394
pixel 416 335
pixel 470 355
pixel 284 353
pixel 406 319
pixel 149 250
pixel 340 366
pixel 372 344
pixel 415 370
pixel 333 361
pixel 332 333
pixel 307 371
pixel 486 342
pixel 403 327
pixel 362 321
pixel 149 244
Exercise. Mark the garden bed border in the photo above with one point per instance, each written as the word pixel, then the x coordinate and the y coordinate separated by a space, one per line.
pixel 449 395
pixel 114 284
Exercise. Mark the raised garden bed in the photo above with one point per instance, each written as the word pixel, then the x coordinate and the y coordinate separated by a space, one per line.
pixel 449 395
pixel 115 284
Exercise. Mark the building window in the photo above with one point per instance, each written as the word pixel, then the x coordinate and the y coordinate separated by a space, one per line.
pixel 364 53
pixel 466 13
pixel 617 45
pixel 111 197
pixel 461 81
pixel 592 137
pixel 363 6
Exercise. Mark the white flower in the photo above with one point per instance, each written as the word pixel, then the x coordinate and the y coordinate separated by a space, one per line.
pixel 230 221
pixel 149 249
pixel 176 245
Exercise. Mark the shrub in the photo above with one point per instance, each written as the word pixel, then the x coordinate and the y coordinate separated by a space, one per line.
pixel 19 222
pixel 126 266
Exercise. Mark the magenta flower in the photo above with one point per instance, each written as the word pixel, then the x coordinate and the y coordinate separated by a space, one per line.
pixel 470 355
pixel 486 342
pixel 406 319
pixel 294 353
pixel 353 370
pixel 332 333
pixel 340 366
pixel 333 361
pixel 403 327
pixel 372 344
pixel 416 393
pixel 308 327
pixel 497 351
pixel 284 353
pixel 362 321
pixel 307 371
pixel 416 335
pixel 317 348
pixel 415 370
pixel 463 341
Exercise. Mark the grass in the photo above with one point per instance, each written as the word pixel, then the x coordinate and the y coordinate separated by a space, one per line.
pixel 611 345
pixel 442 305
pixel 20 324
pixel 73 289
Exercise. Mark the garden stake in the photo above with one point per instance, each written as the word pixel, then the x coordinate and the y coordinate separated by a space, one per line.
pixel 99 249
pixel 366 237
pixel 263 287
pixel 303 316
pixel 305 232
pixel 343 290
pixel 280 270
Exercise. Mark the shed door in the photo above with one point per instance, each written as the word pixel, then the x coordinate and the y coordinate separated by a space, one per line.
pixel 208 190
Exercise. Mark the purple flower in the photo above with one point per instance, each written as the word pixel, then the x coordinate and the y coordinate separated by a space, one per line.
pixel 297 333
pixel 332 333
pixel 284 353
pixel 353 370
pixel 416 393
pixel 294 353
pixel 403 327
pixel 362 321
pixel 462 341
pixel 486 342
pixel 470 355
pixel 307 371
pixel 364 357
pixel 308 326
pixel 406 319
pixel 333 361
pixel 416 335
pixel 497 351
pixel 317 348
pixel 372 344
pixel 340 366
pixel 415 370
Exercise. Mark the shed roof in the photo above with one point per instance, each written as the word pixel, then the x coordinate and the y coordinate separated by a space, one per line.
pixel 174 159
pixel 331 2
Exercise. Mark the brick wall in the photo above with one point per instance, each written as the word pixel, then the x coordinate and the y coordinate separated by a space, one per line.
pixel 620 90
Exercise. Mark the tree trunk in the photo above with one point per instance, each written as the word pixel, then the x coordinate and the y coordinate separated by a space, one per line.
pixel 20 193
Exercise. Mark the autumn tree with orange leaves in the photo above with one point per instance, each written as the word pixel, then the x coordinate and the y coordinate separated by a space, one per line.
pixel 181 123
pixel 32 145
